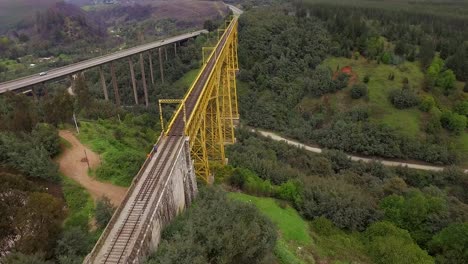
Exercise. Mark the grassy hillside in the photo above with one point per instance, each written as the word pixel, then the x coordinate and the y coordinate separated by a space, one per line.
pixel 409 122
pixel 299 241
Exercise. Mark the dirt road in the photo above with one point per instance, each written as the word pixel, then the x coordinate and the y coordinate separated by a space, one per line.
pixel 73 165
pixel 277 137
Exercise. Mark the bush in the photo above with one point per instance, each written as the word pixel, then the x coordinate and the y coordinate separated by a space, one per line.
pixel 358 91
pixel 344 204
pixel 403 98
pixel 237 179
pixel 104 211
pixel 427 103
pixel 47 136
pixel 450 246
pixel 388 244
pixel 461 108
pixel 235 233
pixel 453 122
pixel 290 191
pixel 465 89
pixel 366 79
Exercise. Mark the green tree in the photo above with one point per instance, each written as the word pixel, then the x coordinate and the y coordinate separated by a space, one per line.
pixel 81 89
pixel 358 91
pixel 59 108
pixel 426 52
pixel 453 121
pixel 388 244
pixel 38 223
pixel 236 233
pixel 417 212
pixel 73 244
pixel 20 258
pixel 104 211
pixel 344 204
pixel 461 108
pixel 427 103
pixel 404 98
pixel 446 81
pixel 450 246
pixel 47 136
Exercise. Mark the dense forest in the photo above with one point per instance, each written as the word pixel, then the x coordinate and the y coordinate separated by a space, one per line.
pixel 318 87
pixel 423 210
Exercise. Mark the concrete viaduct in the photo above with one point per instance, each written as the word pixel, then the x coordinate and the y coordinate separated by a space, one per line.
pixel 29 83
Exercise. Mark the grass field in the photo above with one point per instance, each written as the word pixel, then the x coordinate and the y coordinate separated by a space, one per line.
pixel 293 230
pixel 407 121
pixel 188 78
pixel 123 147
pixel 80 205
pixel 301 241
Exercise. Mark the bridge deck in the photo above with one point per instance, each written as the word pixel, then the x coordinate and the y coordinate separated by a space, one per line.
pixel 87 64
pixel 122 237
pixel 147 194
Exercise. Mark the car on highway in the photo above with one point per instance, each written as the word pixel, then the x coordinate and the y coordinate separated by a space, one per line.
pixel 43 74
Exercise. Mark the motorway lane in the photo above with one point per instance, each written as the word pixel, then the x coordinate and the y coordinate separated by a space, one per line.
pixel 87 64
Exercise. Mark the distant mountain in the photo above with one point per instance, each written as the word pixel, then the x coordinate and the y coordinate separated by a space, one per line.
pixel 65 22
pixel 13 12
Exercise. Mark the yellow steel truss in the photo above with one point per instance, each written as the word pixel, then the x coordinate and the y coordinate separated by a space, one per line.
pixel 211 123
pixel 170 101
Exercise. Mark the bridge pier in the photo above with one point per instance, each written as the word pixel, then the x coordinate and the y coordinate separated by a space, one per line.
pixel 132 75
pixel 161 65
pixel 103 84
pixel 114 83
pixel 151 67
pixel 143 78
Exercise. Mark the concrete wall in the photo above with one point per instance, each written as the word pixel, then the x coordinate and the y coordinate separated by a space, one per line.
pixel 180 189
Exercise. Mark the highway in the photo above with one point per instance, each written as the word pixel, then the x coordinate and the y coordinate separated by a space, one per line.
pixel 91 63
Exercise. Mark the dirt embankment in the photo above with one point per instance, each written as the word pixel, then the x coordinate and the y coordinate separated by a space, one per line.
pixel 73 164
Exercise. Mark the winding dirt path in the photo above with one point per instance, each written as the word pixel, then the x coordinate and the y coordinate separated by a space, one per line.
pixel 390 163
pixel 73 164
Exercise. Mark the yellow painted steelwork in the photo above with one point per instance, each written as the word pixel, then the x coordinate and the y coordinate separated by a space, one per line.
pixel 210 125
pixel 169 101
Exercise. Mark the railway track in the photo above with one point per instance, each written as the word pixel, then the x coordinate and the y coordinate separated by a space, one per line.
pixel 117 251
pixel 128 232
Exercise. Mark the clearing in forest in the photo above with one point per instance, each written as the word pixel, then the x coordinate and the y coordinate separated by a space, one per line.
pixel 73 164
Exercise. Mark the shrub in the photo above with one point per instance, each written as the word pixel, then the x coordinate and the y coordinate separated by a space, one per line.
pixel 388 244
pixel 289 191
pixel 403 98
pixel 427 103
pixel 465 89
pixel 461 108
pixel 237 179
pixel 358 91
pixel 366 78
pixel 104 211
pixel 453 122
pixel 451 244
pixel 344 204
pixel 235 233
